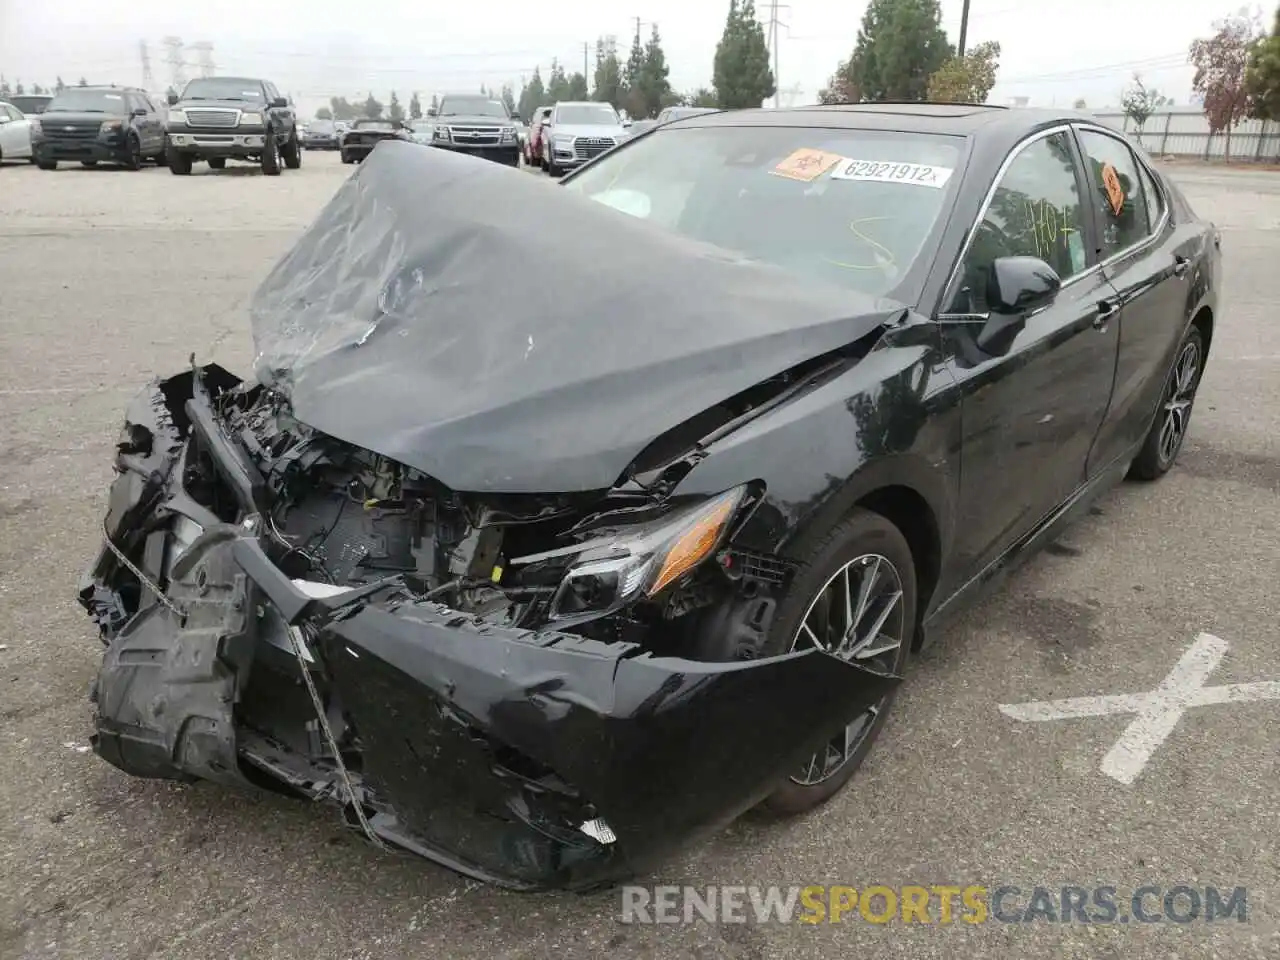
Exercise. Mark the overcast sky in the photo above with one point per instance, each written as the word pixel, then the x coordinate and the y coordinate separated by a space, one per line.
pixel 1054 51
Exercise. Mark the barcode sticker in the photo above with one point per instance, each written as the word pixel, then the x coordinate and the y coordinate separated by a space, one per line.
pixel 917 174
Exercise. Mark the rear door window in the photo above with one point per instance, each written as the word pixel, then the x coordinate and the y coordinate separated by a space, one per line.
pixel 1123 210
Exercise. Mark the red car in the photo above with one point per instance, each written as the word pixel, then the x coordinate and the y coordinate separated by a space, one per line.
pixel 533 143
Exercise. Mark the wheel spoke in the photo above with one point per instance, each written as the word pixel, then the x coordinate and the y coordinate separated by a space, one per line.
pixel 870 625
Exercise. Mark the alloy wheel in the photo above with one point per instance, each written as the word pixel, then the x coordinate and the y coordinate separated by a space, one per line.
pixel 1177 408
pixel 857 616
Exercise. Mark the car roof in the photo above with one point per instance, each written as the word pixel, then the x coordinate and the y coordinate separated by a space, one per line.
pixel 999 127
pixel 233 79
pixel 99 86
pixel 583 103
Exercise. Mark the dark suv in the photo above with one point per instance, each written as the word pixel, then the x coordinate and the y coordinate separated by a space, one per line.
pixel 232 118
pixel 478 125
pixel 98 124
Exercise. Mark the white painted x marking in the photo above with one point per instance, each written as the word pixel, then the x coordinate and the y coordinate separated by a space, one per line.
pixel 1156 712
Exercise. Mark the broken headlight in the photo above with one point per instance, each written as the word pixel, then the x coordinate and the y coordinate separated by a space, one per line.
pixel 644 562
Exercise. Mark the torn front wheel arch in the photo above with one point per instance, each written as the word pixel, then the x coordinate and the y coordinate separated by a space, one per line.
pixel 662 750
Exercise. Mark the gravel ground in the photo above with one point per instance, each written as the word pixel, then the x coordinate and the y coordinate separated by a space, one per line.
pixel 108 277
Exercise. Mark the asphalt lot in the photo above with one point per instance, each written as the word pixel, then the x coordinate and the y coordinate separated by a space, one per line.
pixel 108 277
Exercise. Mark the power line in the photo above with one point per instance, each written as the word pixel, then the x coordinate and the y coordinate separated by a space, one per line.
pixel 1102 70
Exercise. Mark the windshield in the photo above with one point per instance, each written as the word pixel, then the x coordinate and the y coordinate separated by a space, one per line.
pixel 30 105
pixel 853 207
pixel 375 125
pixel 321 126
pixel 472 107
pixel 224 88
pixel 587 114
pixel 87 100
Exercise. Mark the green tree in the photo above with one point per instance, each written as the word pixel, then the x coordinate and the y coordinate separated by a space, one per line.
pixel 324 113
pixel 740 72
pixel 372 108
pixel 18 89
pixel 532 95
pixel 607 80
pixel 508 98
pixel 655 87
pixel 577 88
pixel 633 98
pixel 1139 102
pixel 59 86
pixel 702 97
pixel 557 83
pixel 37 89
pixel 1080 104
pixel 394 110
pixel 1221 62
pixel 82 82
pixel 900 45
pixel 5 92
pixel 435 105
pixel 343 110
pixel 1262 75
pixel 968 78
pixel 415 107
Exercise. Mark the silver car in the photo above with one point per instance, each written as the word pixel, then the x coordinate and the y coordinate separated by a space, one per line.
pixel 15 133
pixel 577 132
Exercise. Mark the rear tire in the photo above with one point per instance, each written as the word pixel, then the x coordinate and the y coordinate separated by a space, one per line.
pixel 823 557
pixel 217 163
pixel 1164 441
pixel 47 164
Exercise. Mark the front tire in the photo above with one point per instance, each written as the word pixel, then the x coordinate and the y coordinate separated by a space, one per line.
pixel 217 163
pixel 179 163
pixel 347 158
pixel 1164 441
pixel 854 595
pixel 292 152
pixel 270 155
pixel 47 164
pixel 133 154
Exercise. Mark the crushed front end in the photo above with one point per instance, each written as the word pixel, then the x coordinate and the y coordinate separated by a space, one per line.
pixel 539 691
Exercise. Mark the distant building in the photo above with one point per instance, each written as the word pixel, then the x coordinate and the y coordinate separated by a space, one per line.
pixel 1019 101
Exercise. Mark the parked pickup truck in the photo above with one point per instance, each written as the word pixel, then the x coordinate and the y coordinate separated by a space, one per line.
pixel 217 119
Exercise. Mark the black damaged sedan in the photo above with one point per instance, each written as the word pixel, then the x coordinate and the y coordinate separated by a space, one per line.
pixel 542 589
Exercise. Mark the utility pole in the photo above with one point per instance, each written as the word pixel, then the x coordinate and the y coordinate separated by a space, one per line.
pixel 147 79
pixel 964 28
pixel 586 74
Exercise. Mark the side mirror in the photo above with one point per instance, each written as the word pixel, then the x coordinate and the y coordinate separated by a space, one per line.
pixel 279 103
pixel 173 99
pixel 138 112
pixel 626 123
pixel 1015 287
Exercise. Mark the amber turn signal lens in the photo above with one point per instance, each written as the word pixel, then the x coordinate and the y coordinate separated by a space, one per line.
pixel 692 546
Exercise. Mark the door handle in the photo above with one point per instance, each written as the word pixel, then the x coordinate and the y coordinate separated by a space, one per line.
pixel 1181 265
pixel 1106 310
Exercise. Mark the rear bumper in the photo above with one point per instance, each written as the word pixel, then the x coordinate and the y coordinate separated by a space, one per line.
pixel 486 749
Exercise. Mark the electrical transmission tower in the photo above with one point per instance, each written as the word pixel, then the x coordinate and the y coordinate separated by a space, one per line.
pixel 147 79
pixel 204 51
pixel 773 25
pixel 177 68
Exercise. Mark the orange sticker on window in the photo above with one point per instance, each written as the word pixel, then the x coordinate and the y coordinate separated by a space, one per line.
pixel 806 164
pixel 1115 192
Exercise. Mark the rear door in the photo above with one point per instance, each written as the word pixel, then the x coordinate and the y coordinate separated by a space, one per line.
pixel 1031 412
pixel 1147 258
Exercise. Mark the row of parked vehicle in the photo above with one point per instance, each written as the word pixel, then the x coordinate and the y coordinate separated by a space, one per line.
pixel 567 135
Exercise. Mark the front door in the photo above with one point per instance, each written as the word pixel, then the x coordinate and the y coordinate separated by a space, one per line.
pixel 1149 260
pixel 1029 414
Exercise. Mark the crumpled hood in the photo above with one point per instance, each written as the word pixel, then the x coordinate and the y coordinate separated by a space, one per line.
pixel 417 317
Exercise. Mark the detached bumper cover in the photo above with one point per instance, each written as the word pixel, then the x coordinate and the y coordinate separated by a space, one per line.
pixel 482 748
